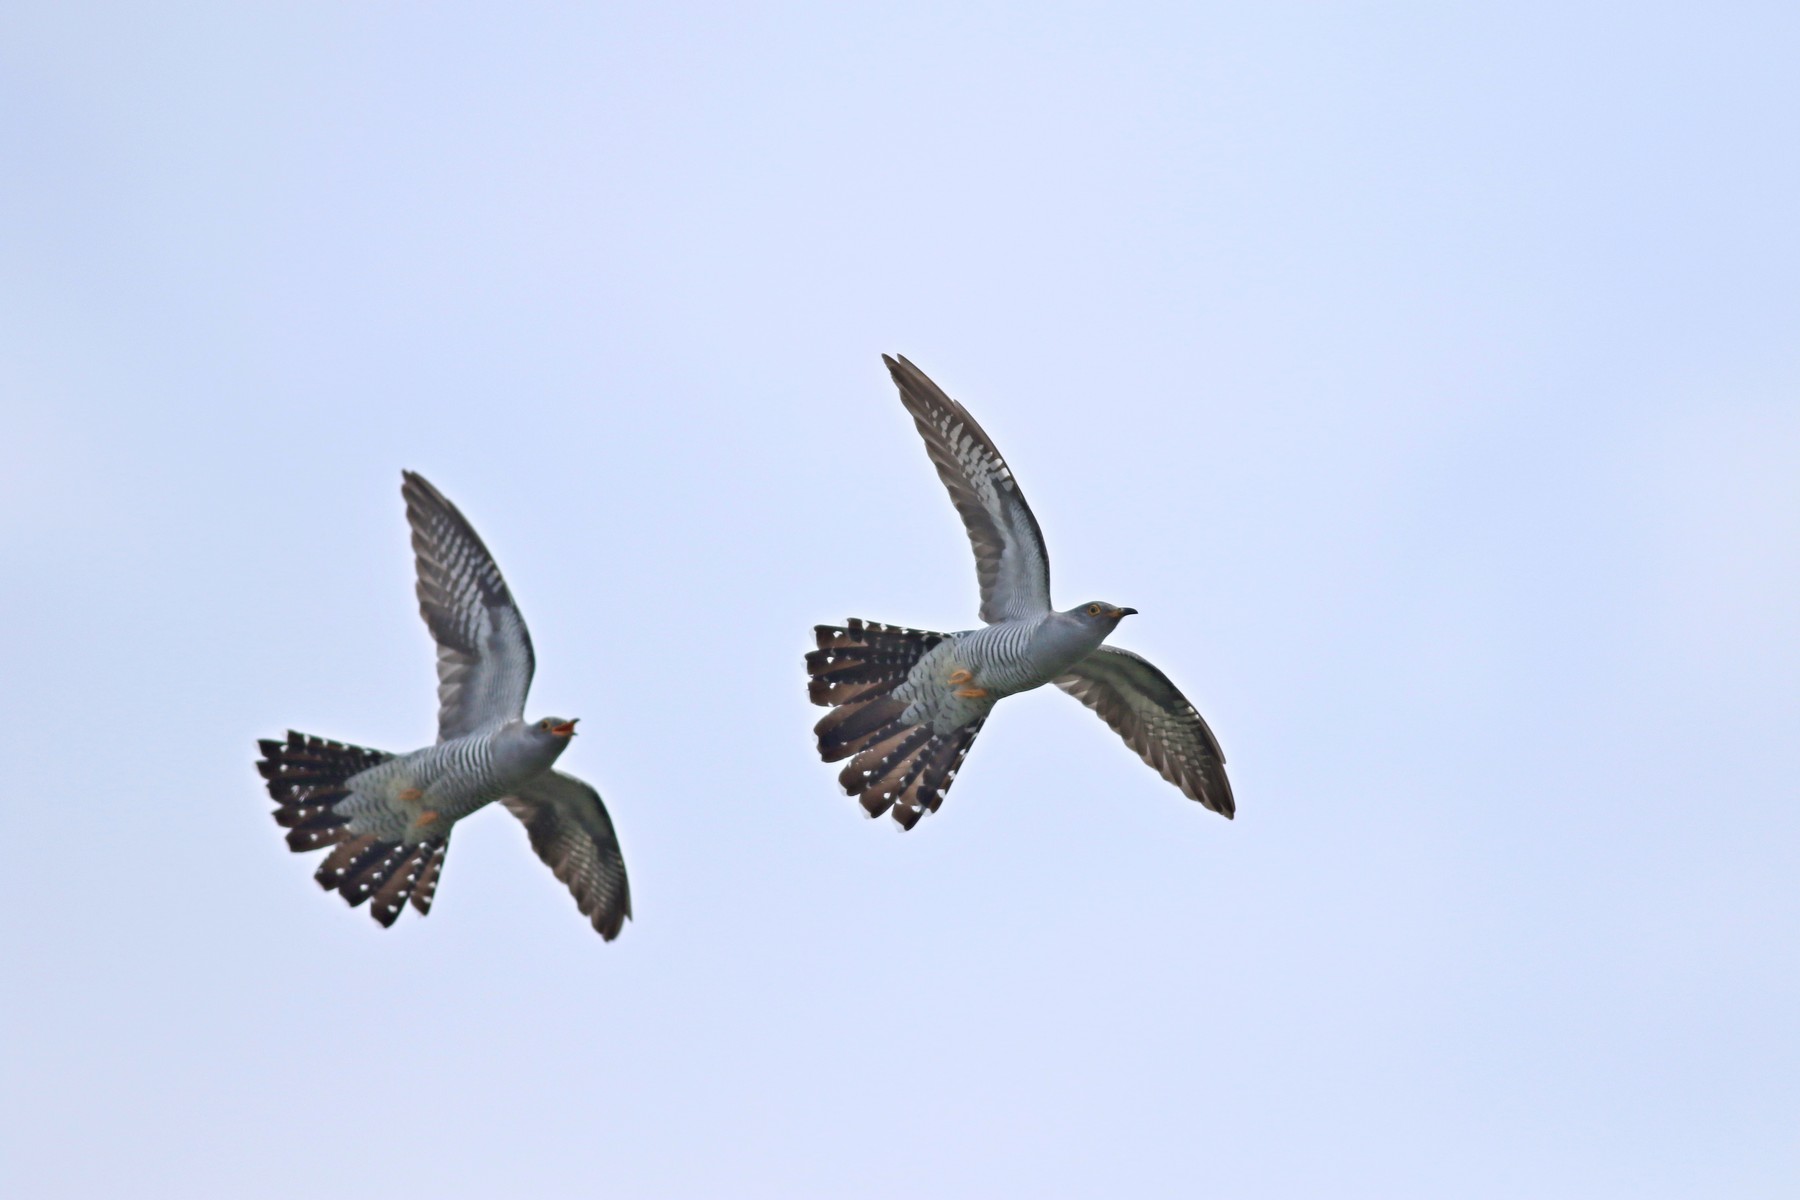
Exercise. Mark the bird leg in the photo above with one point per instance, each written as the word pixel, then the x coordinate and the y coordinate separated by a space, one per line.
pixel 413 796
pixel 964 675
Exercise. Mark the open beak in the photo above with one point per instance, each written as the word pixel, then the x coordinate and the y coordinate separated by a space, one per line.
pixel 1122 612
pixel 566 729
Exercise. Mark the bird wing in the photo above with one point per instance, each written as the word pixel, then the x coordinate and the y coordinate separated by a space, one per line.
pixel 571 832
pixel 1156 720
pixel 1010 560
pixel 484 650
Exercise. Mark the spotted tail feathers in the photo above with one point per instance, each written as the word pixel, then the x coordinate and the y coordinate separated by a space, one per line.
pixel 307 779
pixel 894 765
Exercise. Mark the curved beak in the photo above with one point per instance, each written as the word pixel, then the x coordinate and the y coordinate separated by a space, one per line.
pixel 566 729
pixel 1122 612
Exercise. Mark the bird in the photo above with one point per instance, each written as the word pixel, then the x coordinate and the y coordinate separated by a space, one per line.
pixel 388 817
pixel 906 704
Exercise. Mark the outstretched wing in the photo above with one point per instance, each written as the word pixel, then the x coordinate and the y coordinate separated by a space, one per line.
pixel 1156 720
pixel 484 651
pixel 1010 560
pixel 571 832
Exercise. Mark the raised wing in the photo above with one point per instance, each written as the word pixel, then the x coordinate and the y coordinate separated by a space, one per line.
pixel 1010 560
pixel 1156 720
pixel 484 651
pixel 571 832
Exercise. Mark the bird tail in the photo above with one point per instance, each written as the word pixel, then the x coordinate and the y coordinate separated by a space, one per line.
pixel 894 765
pixel 308 780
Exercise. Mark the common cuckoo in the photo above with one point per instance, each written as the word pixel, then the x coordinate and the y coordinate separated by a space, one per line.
pixel 906 704
pixel 389 817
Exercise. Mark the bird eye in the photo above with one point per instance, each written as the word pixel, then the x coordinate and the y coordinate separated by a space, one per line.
pixel 1093 610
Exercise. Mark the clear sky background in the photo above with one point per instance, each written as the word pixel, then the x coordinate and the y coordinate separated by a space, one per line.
pixel 1428 375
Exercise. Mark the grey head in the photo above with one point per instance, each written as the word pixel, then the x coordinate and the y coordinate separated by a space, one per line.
pixel 1098 614
pixel 554 731
pixel 528 749
pixel 1070 635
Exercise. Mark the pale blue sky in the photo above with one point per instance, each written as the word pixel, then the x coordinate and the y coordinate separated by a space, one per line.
pixel 1426 374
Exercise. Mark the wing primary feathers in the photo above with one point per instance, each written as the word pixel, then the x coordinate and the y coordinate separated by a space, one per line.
pixel 1149 712
pixel 1011 563
pixel 485 660
pixel 572 833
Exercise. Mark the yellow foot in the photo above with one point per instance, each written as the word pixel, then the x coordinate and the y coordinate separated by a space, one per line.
pixel 411 794
pixel 972 693
pixel 426 817
pixel 959 676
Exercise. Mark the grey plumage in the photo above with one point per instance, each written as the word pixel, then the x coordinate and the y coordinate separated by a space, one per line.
pixel 907 704
pixel 484 656
pixel 1010 561
pixel 1155 720
pixel 572 834
pixel 389 817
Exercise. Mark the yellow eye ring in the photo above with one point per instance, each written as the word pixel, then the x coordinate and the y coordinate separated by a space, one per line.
pixel 1093 610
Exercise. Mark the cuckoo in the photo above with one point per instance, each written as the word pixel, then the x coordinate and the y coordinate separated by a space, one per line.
pixel 388 817
pixel 906 704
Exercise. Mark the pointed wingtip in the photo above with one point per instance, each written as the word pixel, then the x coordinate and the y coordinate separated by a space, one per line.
pixel 414 484
pixel 1226 805
pixel 610 925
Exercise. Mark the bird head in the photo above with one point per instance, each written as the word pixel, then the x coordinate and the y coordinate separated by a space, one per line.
pixel 1099 612
pixel 556 727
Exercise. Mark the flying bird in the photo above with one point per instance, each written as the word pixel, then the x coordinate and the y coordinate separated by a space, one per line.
pixel 906 703
pixel 388 817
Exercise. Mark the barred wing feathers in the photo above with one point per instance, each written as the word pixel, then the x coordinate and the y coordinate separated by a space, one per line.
pixel 1010 561
pixel 485 661
pixel 1155 720
pixel 571 832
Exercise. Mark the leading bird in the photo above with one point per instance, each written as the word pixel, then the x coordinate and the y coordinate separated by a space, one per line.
pixel 907 704
pixel 388 817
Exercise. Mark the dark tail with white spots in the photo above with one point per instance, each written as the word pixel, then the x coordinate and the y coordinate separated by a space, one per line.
pixel 893 765
pixel 306 777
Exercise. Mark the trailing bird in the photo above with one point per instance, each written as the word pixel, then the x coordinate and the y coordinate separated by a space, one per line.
pixel 388 817
pixel 906 704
